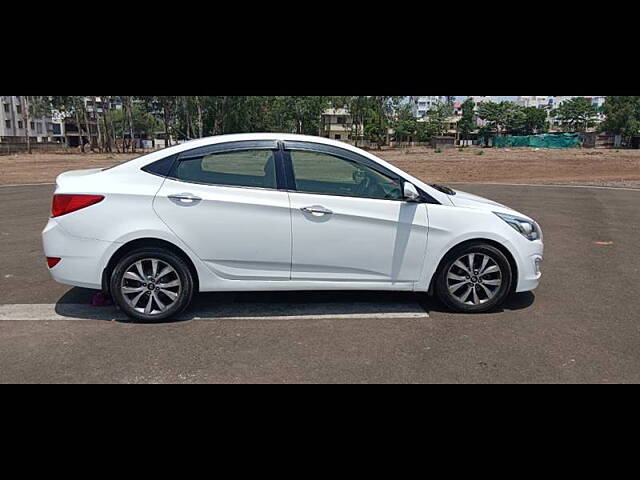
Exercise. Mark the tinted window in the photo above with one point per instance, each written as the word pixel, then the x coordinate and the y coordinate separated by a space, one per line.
pixel 322 173
pixel 248 168
pixel 161 167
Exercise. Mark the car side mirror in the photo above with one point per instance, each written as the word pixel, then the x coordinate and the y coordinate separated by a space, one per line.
pixel 410 192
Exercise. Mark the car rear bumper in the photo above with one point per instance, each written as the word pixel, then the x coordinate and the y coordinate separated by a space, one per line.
pixel 81 258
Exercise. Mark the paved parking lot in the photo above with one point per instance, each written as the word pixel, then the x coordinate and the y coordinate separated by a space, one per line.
pixel 581 325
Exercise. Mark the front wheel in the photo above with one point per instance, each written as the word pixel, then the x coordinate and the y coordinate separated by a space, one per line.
pixel 474 278
pixel 151 284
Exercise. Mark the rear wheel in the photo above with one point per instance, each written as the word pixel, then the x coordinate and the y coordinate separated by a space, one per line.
pixel 152 284
pixel 474 278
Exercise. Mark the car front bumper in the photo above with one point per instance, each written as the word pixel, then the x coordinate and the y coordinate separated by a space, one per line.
pixel 529 266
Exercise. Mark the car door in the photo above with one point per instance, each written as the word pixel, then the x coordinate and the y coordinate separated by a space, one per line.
pixel 349 219
pixel 223 202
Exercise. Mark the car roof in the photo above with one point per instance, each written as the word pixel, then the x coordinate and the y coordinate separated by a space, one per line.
pixel 240 137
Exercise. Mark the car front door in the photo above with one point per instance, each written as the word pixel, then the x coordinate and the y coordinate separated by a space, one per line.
pixel 223 202
pixel 350 221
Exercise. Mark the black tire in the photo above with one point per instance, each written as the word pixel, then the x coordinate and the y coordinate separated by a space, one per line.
pixel 180 272
pixel 443 284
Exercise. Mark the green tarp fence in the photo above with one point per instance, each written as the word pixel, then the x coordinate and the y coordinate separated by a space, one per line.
pixel 564 140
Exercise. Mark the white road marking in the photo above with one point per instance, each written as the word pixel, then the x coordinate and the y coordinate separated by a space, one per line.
pixel 228 311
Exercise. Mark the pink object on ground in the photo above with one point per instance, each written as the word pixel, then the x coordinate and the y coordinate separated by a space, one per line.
pixel 100 300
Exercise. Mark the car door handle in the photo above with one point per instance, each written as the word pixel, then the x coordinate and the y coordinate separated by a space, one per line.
pixel 184 199
pixel 316 209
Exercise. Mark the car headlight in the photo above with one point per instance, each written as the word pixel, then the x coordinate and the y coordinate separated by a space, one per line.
pixel 527 228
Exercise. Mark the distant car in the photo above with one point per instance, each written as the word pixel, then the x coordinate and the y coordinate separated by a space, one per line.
pixel 280 212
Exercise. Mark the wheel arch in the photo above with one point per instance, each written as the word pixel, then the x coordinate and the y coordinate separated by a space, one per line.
pixel 142 243
pixel 507 253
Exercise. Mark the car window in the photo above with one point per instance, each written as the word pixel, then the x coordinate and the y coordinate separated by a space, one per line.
pixel 247 168
pixel 326 174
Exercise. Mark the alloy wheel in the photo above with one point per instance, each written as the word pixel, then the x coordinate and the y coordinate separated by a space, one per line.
pixel 474 278
pixel 151 286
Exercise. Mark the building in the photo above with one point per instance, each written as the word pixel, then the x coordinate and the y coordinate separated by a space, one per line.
pixel 14 124
pixel 536 101
pixel 99 104
pixel 479 99
pixel 336 123
pixel 553 103
pixel 421 105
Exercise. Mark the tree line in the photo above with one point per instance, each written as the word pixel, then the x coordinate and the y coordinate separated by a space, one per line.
pixel 190 117
pixel 368 117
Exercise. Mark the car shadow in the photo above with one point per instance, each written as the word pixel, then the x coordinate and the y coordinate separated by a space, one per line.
pixel 515 301
pixel 76 303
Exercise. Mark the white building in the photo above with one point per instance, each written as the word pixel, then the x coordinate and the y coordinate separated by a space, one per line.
pixel 13 122
pixel 536 101
pixel 99 103
pixel 484 99
pixel 421 105
pixel 552 103
pixel 336 123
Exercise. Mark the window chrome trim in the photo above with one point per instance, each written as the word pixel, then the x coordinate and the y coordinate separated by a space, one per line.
pixel 225 186
pixel 237 146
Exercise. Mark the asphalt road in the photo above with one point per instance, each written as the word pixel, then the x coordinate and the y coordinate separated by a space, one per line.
pixel 581 325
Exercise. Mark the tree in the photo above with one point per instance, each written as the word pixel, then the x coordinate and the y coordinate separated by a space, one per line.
pixel 577 114
pixel 72 106
pixel 357 108
pixel 438 119
pixel 300 114
pixel 514 119
pixel 466 124
pixel 33 107
pixel 109 132
pixel 198 103
pixel 166 108
pixel 379 117
pixel 495 114
pixel 534 121
pixel 622 115
pixel 405 124
pixel 136 120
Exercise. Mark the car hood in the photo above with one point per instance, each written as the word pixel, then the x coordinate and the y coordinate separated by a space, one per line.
pixel 469 200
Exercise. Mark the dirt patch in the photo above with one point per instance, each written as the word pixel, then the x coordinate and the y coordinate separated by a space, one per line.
pixel 490 165
pixel 519 165
pixel 45 167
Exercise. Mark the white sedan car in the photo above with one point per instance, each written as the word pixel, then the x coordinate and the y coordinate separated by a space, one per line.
pixel 280 212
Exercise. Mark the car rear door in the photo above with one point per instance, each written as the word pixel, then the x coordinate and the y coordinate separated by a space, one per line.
pixel 223 201
pixel 350 221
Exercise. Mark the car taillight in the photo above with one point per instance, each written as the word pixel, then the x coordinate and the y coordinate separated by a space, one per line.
pixel 52 261
pixel 63 203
